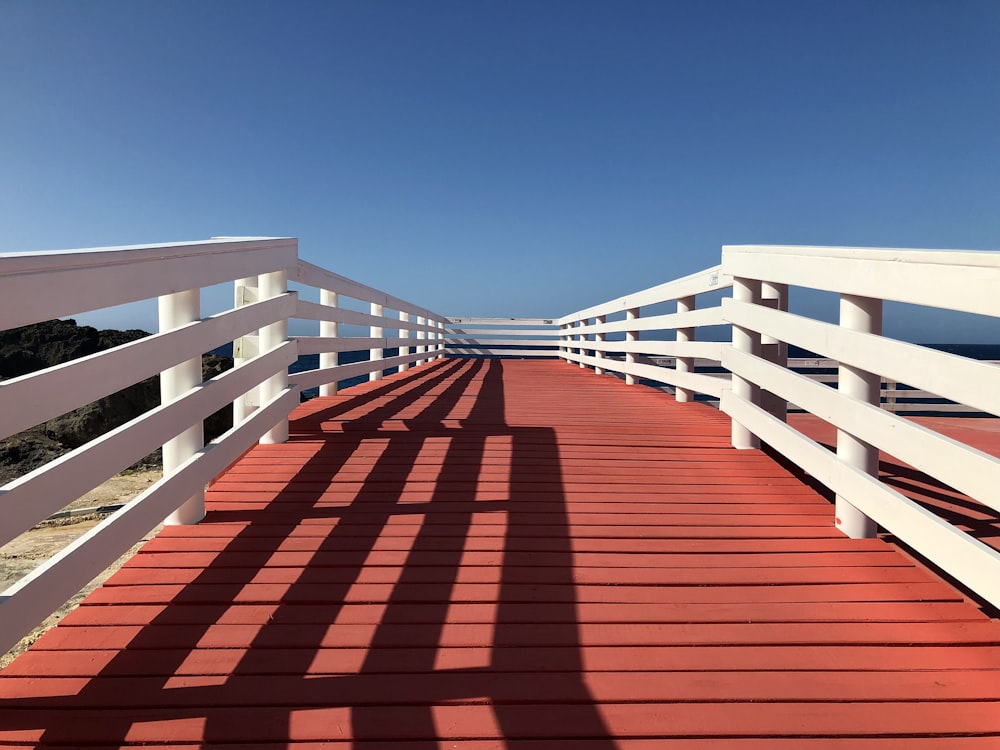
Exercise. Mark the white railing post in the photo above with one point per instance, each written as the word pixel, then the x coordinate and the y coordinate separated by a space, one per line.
pixel 176 310
pixel 582 337
pixel 440 338
pixel 421 336
pixel 862 314
pixel 631 314
pixel 274 284
pixel 404 333
pixel 245 347
pixel 600 319
pixel 564 339
pixel 774 350
pixel 684 335
pixel 745 340
pixel 376 332
pixel 330 329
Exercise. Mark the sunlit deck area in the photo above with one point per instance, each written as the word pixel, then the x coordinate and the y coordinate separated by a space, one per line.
pixel 495 553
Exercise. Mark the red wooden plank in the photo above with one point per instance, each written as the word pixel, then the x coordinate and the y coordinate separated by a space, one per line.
pixel 550 721
pixel 155 586
pixel 535 660
pixel 472 687
pixel 314 610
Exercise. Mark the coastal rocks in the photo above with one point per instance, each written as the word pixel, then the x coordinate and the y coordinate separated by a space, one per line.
pixel 31 348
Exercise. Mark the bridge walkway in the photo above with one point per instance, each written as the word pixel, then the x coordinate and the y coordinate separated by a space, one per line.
pixel 489 554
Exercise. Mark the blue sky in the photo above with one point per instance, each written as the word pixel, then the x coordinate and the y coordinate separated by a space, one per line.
pixel 501 158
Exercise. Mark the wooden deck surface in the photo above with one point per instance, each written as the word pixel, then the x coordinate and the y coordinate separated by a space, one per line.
pixel 485 554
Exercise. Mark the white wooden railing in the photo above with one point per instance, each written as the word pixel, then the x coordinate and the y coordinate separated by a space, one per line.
pixel 864 279
pixel 763 382
pixel 584 335
pixel 502 337
pixel 41 286
pixel 626 336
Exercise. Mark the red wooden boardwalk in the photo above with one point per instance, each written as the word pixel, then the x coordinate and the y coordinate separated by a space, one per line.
pixel 482 555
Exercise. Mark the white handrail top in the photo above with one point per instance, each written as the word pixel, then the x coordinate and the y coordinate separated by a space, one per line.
pixel 51 260
pixel 936 256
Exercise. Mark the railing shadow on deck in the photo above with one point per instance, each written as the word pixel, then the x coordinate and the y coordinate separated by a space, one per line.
pixel 400 678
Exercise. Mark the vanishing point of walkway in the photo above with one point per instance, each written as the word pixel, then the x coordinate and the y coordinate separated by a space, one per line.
pixel 486 554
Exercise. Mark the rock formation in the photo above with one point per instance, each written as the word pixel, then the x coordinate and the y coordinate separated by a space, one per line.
pixel 30 348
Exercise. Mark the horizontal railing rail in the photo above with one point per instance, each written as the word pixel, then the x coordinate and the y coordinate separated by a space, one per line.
pixel 502 337
pixel 37 287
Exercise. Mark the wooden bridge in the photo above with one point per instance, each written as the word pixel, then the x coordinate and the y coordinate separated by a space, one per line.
pixel 490 553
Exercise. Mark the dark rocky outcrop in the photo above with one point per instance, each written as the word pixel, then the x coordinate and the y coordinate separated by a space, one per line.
pixel 30 348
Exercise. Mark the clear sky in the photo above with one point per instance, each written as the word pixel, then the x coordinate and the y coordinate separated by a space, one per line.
pixel 501 158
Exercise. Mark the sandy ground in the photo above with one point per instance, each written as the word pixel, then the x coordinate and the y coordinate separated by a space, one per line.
pixel 25 553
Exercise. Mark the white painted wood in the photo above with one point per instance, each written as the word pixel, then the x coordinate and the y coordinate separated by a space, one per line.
pixel 329 330
pixel 313 275
pixel 699 382
pixel 705 350
pixel 37 397
pixel 375 354
pixel 961 281
pixel 898 255
pixel 955 378
pixel 467 321
pixel 178 310
pixel 314 311
pixel 30 600
pixel 707 316
pixel 957 409
pixel 685 335
pixel 708 280
pixel 862 314
pixel 404 347
pixel 745 340
pixel 973 472
pixel 970 561
pixel 41 286
pixel 272 337
pixel 699 362
pixel 631 337
pixel 774 296
pixel 247 345
pixel 599 339
pixel 314 378
pixel 421 347
pixel 39 493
